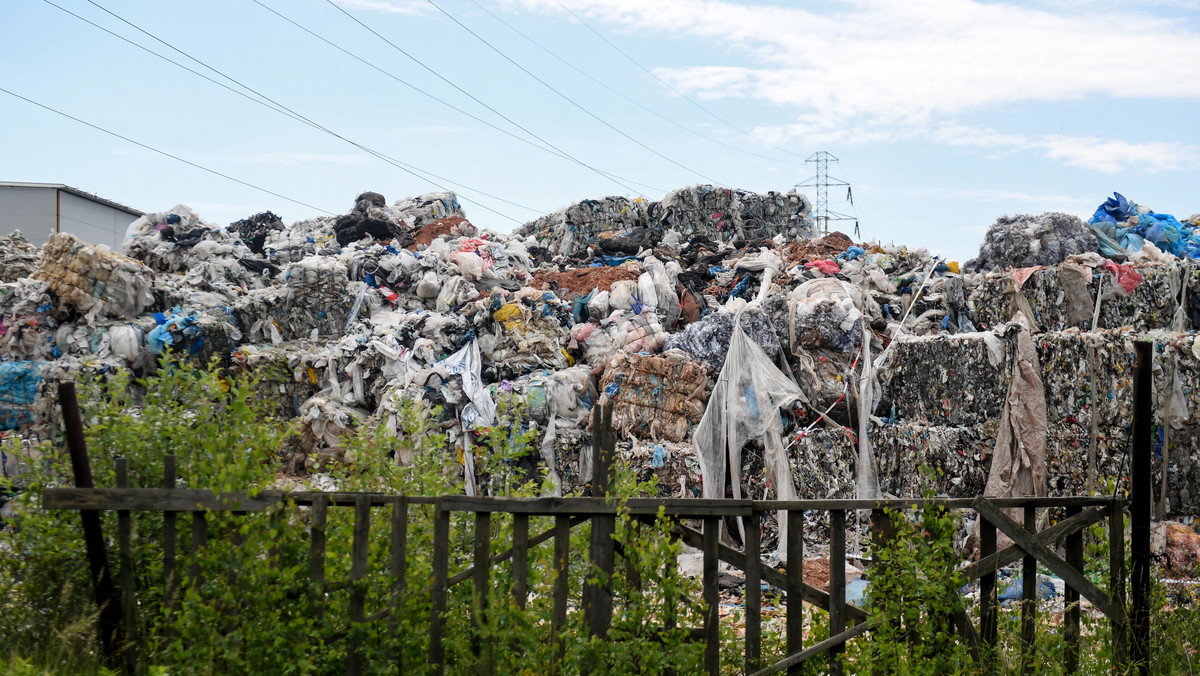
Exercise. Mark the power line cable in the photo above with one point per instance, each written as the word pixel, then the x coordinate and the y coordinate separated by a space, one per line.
pixel 473 97
pixel 568 99
pixel 164 153
pixel 278 107
pixel 668 85
pixel 426 94
pixel 621 94
pixel 171 61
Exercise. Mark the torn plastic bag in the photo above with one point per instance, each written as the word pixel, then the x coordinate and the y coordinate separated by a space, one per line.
pixel 598 306
pixel 429 286
pixel 481 412
pixel 745 404
pixel 1019 458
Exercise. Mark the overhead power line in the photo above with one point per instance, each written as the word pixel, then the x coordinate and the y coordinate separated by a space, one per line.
pixel 622 95
pixel 442 101
pixel 566 98
pixel 164 153
pixel 473 97
pixel 668 85
pixel 274 105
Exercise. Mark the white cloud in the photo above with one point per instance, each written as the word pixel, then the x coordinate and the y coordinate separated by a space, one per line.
pixel 407 7
pixel 907 61
pixel 869 71
pixel 1111 156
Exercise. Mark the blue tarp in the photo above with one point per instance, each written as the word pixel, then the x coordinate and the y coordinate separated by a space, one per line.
pixel 18 389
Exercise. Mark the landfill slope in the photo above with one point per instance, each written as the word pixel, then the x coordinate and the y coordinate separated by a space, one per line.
pixel 709 317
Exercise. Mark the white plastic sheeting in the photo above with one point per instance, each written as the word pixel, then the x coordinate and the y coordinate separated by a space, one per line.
pixel 744 405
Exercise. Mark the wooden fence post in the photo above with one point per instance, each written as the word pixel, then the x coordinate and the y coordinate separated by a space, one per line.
pixel 1074 548
pixel 562 590
pixel 399 569
pixel 712 597
pixel 520 559
pixel 1028 598
pixel 753 594
pixel 598 592
pixel 795 586
pixel 170 541
pixel 128 598
pixel 93 537
pixel 837 585
pixel 441 562
pixel 316 553
pixel 1116 585
pixel 360 551
pixel 988 603
pixel 484 650
pixel 1139 505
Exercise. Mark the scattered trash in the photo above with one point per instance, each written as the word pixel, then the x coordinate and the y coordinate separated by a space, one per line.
pixel 710 316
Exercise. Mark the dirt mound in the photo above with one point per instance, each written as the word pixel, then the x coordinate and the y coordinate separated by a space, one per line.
pixel 582 280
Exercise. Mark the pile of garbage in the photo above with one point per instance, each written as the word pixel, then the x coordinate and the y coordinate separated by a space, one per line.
pixel 730 340
pixel 622 226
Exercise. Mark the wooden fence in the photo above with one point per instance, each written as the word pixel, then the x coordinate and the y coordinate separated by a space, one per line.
pixel 846 621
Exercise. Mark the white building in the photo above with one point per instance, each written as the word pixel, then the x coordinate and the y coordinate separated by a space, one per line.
pixel 41 209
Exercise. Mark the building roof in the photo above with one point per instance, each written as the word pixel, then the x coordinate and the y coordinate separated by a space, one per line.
pixel 74 191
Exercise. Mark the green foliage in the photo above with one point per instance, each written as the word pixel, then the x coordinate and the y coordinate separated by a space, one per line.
pixel 913 593
pixel 246 602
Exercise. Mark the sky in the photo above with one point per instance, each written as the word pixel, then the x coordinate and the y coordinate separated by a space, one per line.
pixel 943 114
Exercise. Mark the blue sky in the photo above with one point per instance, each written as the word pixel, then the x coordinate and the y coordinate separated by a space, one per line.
pixel 944 113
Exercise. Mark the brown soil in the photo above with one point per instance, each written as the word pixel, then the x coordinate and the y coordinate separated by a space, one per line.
pixel 580 281
pixel 439 228
pixel 827 247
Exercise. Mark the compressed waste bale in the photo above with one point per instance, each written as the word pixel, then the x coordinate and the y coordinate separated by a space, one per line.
pixel 323 425
pixel 1152 304
pixel 312 298
pixel 18 391
pixel 724 213
pixel 708 339
pixel 424 209
pixel 178 240
pixel 18 258
pixel 658 398
pixel 579 224
pixel 956 379
pixel 702 210
pixel 286 375
pixel 675 464
pixel 301 240
pixel 1023 240
pixel 94 281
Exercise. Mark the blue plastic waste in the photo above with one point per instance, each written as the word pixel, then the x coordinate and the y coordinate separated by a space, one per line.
pixel 856 590
pixel 659 456
pixel 18 389
pixel 1010 589
pixel 1120 236
pixel 852 253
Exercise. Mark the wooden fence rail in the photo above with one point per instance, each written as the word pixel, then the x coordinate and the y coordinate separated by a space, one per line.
pixel 568 513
